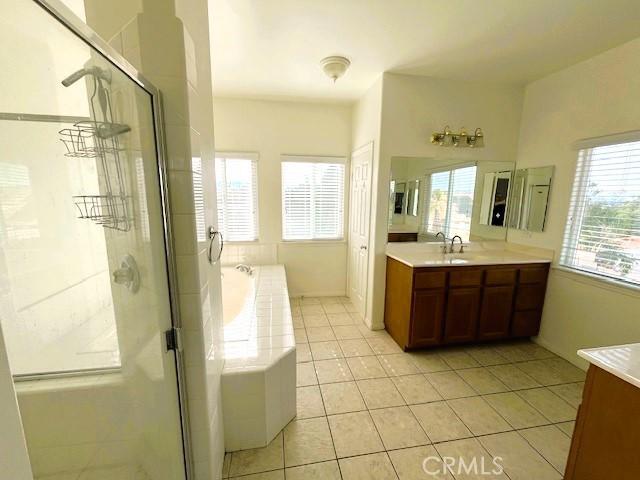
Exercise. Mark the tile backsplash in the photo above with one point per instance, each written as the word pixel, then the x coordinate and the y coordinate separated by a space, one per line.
pixel 251 253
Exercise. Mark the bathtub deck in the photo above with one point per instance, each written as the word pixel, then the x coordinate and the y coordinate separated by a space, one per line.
pixel 259 351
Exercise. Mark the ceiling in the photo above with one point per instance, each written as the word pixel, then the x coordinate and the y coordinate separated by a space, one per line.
pixel 272 48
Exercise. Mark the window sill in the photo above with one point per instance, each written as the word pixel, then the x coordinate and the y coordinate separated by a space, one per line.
pixel 340 241
pixel 599 281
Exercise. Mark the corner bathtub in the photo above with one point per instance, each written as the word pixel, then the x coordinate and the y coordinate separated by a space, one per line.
pixel 259 351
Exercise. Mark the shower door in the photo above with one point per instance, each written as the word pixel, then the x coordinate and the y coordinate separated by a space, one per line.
pixel 85 258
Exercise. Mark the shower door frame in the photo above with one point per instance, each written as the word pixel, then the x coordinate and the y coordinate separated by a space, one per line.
pixel 66 17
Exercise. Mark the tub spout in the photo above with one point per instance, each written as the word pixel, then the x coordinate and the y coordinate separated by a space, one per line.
pixel 244 268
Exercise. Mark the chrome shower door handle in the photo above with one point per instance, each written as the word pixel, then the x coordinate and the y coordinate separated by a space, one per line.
pixel 212 233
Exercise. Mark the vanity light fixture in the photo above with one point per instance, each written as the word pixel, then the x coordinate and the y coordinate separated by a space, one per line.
pixel 447 138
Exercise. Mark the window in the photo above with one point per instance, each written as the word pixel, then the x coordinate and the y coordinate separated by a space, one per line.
pixel 449 202
pixel 602 235
pixel 237 190
pixel 312 198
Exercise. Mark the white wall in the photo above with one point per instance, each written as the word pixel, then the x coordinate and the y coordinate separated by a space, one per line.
pixel 413 108
pixel 272 129
pixel 599 96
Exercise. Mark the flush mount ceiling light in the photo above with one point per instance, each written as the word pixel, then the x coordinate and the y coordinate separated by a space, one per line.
pixel 334 67
pixel 448 139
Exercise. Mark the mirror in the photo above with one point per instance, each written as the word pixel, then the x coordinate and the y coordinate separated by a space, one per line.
pixel 530 198
pixel 453 196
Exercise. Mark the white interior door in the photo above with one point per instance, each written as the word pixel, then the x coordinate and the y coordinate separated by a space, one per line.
pixel 359 220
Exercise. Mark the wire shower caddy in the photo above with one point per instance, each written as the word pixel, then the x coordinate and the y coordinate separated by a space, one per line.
pixel 99 139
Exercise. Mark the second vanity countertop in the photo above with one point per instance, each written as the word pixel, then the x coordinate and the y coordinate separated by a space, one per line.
pixel 623 361
pixel 430 255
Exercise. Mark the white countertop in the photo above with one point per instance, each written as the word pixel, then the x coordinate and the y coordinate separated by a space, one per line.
pixel 623 361
pixel 429 255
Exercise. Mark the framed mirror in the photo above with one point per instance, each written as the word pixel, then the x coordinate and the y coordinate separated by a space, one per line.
pixel 530 198
pixel 448 196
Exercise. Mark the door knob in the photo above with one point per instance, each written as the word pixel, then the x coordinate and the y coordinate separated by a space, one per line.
pixel 363 247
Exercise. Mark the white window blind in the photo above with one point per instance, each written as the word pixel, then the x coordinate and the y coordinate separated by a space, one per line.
pixel 312 198
pixel 449 202
pixel 237 194
pixel 602 234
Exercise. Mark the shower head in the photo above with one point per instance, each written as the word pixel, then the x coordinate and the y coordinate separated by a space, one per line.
pixel 95 71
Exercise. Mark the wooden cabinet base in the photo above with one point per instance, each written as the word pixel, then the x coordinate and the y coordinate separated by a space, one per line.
pixel 607 433
pixel 427 306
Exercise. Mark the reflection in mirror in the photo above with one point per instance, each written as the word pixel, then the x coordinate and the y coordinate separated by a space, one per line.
pixel 495 194
pixel 413 194
pixel 447 195
pixel 398 206
pixel 530 197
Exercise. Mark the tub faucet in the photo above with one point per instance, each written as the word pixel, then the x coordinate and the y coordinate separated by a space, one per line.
pixel 461 244
pixel 444 241
pixel 244 268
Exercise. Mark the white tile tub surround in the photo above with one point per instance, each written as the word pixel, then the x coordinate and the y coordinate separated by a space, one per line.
pixel 259 374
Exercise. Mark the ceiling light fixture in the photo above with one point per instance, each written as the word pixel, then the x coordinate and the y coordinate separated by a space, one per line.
pixel 334 67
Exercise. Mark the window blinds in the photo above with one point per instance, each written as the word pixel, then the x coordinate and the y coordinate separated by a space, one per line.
pixel 237 195
pixel 462 188
pixel 602 234
pixel 450 202
pixel 312 198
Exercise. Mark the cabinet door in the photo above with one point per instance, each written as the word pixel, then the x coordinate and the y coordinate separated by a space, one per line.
pixel 427 318
pixel 526 324
pixel 495 313
pixel 530 297
pixel 463 305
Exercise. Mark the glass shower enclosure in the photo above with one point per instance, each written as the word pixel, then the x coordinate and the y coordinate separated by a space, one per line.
pixel 85 256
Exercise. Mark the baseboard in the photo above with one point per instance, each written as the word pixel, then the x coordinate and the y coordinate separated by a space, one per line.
pixel 317 294
pixel 573 359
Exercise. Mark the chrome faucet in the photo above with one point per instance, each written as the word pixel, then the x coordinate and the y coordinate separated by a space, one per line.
pixel 444 242
pixel 461 244
pixel 244 268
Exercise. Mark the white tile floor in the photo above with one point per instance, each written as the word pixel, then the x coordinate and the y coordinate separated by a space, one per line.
pixel 367 410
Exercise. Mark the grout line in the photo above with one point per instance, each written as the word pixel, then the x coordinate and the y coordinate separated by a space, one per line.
pixel 424 374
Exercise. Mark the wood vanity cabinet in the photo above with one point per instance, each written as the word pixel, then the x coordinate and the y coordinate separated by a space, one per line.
pixel 607 431
pixel 430 306
pixel 402 237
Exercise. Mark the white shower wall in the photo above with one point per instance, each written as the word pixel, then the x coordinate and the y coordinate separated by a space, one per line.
pixel 55 301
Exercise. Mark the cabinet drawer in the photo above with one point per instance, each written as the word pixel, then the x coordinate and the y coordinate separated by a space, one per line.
pixel 533 275
pixel 424 279
pixel 465 278
pixel 501 276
